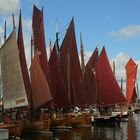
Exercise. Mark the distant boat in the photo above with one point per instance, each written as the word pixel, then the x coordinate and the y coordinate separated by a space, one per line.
pixel 131 74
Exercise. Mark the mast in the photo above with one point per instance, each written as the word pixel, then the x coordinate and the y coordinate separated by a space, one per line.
pixel 31 49
pixel 5 31
pixel 114 67
pixel 57 33
pixel 68 74
pixel 122 84
pixel 137 89
pixel 50 46
pixel 14 21
pixel 82 54
pixel 96 90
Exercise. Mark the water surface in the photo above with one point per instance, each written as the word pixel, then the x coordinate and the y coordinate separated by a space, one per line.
pixel 128 130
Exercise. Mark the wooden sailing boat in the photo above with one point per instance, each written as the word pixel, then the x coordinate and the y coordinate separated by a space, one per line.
pixel 13 89
pixel 41 95
pixel 131 73
pixel 108 90
pixel 90 78
pixel 60 99
pixel 72 74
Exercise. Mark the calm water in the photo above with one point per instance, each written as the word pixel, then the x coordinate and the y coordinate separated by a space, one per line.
pixel 127 131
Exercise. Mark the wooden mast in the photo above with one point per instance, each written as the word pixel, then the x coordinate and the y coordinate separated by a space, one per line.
pixel 57 33
pixel 122 84
pixel 14 26
pixel 50 46
pixel 5 31
pixel 82 55
pixel 68 74
pixel 114 67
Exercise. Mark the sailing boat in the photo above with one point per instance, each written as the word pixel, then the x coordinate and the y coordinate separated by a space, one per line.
pixel 72 75
pixel 91 79
pixel 108 90
pixel 61 102
pixel 13 89
pixel 131 73
pixel 41 95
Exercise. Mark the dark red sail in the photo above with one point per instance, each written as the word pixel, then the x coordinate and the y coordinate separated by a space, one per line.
pixel 68 49
pixel 93 59
pixel 134 97
pixel 23 61
pixel 60 97
pixel 131 73
pixel 40 45
pixel 40 90
pixel 90 78
pixel 108 89
pixel 37 17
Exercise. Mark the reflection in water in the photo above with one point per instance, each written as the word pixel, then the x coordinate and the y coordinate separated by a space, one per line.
pixel 127 131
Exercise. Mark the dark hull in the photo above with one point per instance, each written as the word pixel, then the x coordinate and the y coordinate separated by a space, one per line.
pixel 106 120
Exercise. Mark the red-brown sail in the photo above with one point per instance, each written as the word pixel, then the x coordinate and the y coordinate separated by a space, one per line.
pixel 90 78
pixel 39 39
pixel 23 63
pixel 40 89
pixel 77 86
pixel 59 95
pixel 108 89
pixel 134 96
pixel 40 45
pixel 93 59
pixel 37 17
pixel 131 73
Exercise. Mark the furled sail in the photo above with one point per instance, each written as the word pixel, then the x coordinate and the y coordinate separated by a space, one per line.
pixel 60 97
pixel 108 89
pixel 70 65
pixel 40 90
pixel 14 94
pixel 131 73
pixel 90 78
pixel 23 61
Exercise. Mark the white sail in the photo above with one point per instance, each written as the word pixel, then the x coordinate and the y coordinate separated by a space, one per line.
pixel 13 90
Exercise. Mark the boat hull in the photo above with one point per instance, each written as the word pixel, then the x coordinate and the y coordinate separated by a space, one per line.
pixel 35 126
pixel 60 122
pixel 14 129
pixel 106 120
pixel 83 120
